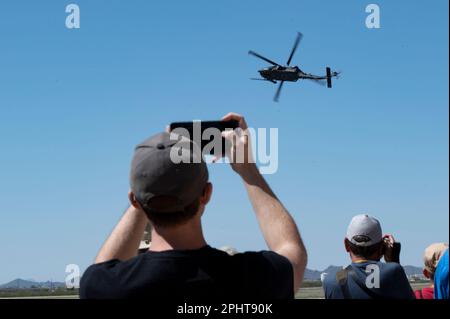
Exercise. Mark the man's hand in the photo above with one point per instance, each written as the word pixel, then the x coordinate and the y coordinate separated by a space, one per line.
pixel 391 249
pixel 240 154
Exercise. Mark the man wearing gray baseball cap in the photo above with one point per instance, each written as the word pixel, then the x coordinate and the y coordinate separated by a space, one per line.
pixel 172 195
pixel 367 277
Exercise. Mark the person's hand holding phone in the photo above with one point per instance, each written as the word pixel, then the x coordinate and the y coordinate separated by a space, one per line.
pixel 236 141
pixel 391 249
pixel 240 152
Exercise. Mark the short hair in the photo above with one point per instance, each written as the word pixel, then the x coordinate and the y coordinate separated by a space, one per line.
pixel 171 219
pixel 365 251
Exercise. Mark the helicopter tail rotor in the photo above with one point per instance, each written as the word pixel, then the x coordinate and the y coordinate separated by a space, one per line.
pixel 329 75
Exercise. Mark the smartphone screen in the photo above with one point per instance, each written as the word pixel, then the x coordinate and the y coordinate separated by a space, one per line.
pixel 206 134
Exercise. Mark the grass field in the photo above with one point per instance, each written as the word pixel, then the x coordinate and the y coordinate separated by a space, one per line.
pixel 44 297
pixel 38 293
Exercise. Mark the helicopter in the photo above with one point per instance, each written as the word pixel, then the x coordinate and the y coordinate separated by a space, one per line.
pixel 283 73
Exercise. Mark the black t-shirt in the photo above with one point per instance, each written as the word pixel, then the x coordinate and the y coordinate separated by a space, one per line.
pixel 205 273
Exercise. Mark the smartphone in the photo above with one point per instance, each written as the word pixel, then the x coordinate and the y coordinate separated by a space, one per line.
pixel 394 255
pixel 206 134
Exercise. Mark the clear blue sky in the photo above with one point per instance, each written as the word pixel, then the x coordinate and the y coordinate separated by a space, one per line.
pixel 73 103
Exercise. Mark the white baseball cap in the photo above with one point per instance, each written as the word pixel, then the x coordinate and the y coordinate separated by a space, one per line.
pixel 364 231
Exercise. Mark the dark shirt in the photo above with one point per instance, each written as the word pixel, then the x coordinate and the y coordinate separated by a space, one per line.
pixel 205 273
pixel 393 283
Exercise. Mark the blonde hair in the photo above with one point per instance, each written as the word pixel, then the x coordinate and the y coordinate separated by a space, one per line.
pixel 432 255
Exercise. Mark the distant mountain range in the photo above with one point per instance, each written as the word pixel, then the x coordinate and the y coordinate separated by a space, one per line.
pixel 309 275
pixel 28 284
pixel 413 271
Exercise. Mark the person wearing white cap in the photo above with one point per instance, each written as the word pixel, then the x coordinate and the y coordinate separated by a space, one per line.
pixel 367 277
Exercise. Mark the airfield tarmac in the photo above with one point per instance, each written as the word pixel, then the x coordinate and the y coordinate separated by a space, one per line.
pixel 304 293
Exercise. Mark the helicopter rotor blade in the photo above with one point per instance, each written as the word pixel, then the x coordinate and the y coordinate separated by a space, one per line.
pixel 277 94
pixel 262 58
pixel 296 43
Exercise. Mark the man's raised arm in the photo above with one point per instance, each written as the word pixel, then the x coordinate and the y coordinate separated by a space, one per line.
pixel 123 242
pixel 277 226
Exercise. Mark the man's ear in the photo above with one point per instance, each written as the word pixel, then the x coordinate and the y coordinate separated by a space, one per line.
pixel 207 193
pixel 133 200
pixel 346 245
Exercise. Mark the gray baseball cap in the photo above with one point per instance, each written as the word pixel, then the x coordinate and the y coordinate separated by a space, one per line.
pixel 168 166
pixel 364 231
